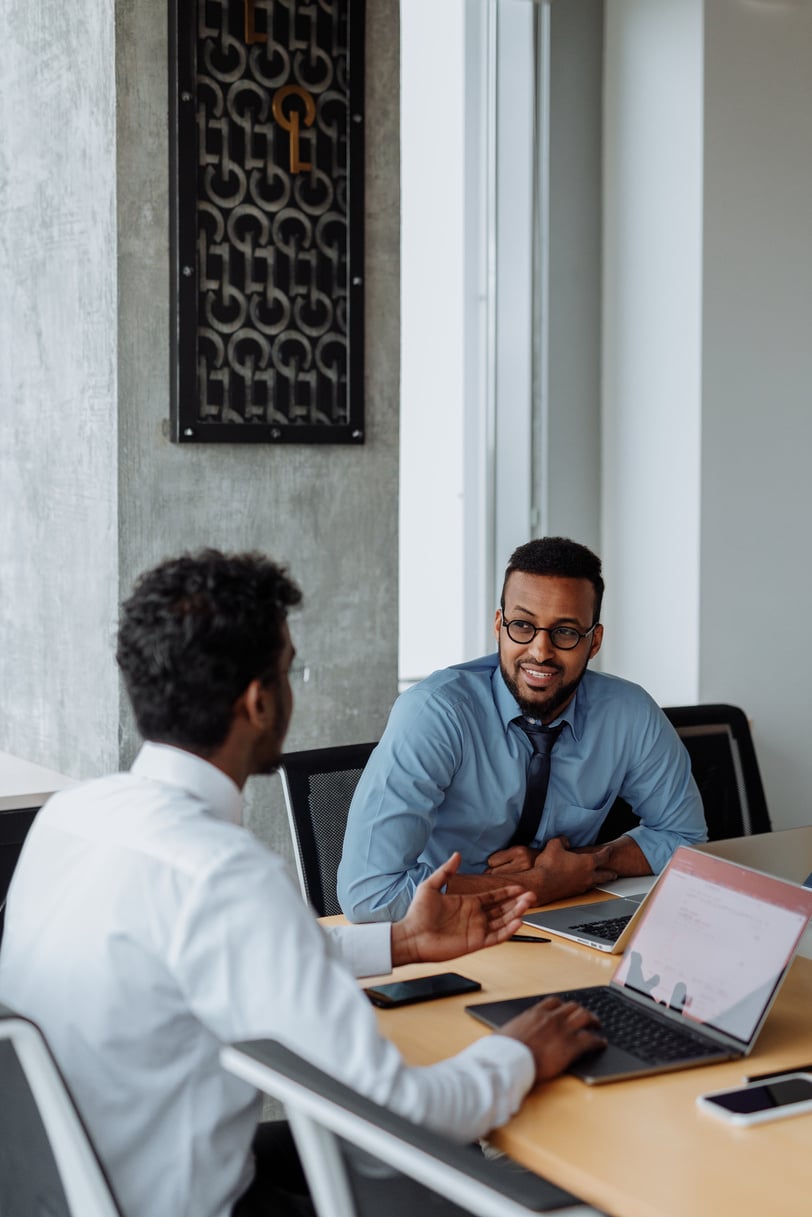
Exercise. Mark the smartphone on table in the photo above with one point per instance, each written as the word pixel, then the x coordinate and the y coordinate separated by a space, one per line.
pixel 786 1095
pixel 423 988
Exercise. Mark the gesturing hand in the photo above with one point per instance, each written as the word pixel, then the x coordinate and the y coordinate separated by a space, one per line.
pixel 441 925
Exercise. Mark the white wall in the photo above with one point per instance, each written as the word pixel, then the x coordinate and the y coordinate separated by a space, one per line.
pixel 431 422
pixel 651 343
pixel 708 364
pixel 757 384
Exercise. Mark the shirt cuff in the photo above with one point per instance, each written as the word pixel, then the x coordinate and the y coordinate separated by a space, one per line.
pixel 516 1057
pixel 366 949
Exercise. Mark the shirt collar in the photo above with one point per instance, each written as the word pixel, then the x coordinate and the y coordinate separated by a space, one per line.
pixel 177 767
pixel 508 707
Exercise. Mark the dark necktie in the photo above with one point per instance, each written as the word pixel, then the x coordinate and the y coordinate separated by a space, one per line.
pixel 538 777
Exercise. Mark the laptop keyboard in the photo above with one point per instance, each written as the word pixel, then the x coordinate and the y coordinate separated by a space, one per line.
pixel 636 1031
pixel 611 929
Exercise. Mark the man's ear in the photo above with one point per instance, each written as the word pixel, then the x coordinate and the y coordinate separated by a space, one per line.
pixel 257 704
pixel 497 623
pixel 597 639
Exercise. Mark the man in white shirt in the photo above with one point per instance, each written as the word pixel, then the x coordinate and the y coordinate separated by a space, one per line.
pixel 145 927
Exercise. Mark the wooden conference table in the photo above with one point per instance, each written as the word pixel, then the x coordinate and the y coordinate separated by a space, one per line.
pixel 635 1148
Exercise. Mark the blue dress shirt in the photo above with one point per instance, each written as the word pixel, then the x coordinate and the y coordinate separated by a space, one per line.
pixel 450 773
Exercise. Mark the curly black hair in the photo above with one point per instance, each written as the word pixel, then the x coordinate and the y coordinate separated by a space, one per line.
pixel 557 556
pixel 193 635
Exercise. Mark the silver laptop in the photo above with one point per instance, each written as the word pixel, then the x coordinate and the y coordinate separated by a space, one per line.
pixel 704 964
pixel 606 925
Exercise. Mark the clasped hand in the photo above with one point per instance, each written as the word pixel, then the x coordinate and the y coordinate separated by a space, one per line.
pixel 555 871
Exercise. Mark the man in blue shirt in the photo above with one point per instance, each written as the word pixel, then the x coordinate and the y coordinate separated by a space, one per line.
pixel 450 772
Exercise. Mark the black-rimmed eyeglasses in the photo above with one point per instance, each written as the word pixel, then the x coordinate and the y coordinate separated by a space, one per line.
pixel 563 637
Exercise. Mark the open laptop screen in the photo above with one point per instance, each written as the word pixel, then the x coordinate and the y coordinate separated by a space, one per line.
pixel 715 941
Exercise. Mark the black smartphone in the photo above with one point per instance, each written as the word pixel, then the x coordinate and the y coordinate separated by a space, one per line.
pixel 424 988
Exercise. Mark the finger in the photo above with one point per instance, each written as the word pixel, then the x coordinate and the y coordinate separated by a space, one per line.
pixel 602 856
pixel 501 933
pixel 590 1041
pixel 438 878
pixel 580 1018
pixel 509 912
pixel 502 857
pixel 555 845
pixel 503 895
pixel 548 1003
pixel 605 876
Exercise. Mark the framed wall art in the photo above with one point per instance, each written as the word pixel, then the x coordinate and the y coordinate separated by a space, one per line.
pixel 267 221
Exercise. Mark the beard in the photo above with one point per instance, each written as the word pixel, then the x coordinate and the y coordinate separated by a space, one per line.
pixel 546 705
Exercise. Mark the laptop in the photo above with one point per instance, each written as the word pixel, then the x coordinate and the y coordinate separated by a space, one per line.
pixel 704 964
pixel 609 925
pixel 606 926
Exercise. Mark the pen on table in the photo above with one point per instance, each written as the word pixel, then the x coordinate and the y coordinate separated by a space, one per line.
pixel 778 1073
pixel 527 938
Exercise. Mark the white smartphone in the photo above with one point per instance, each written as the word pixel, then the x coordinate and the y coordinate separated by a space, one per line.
pixel 787 1095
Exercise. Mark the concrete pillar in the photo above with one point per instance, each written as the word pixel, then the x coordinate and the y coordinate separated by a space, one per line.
pixel 94 492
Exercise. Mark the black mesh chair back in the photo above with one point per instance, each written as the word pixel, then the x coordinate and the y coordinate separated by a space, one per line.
pixel 404 1169
pixel 724 765
pixel 14 826
pixel 318 786
pixel 48 1167
pixel 725 768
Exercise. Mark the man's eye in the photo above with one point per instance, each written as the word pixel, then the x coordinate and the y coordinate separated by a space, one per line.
pixel 565 633
pixel 523 627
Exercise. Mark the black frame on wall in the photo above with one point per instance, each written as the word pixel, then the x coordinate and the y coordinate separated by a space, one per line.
pixel 267 221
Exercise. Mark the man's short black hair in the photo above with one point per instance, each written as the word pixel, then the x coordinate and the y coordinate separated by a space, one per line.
pixel 557 556
pixel 193 635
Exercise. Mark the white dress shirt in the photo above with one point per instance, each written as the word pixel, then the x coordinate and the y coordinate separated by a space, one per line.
pixel 145 928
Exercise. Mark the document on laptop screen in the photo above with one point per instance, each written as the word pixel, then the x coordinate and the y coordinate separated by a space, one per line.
pixel 715 946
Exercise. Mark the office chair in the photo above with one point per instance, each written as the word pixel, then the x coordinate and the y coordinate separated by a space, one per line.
pixel 47 1163
pixel 724 765
pixel 14 826
pixel 411 1169
pixel 318 786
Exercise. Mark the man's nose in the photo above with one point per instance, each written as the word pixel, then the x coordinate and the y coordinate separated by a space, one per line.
pixel 541 647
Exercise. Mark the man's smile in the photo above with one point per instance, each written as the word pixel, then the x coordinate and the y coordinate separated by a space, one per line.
pixel 539 676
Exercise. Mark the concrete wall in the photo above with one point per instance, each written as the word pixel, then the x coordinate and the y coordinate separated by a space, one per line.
pixel 58 405
pixel 111 495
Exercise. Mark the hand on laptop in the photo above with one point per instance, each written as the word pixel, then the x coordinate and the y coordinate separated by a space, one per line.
pixel 557 1033
pixel 440 925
